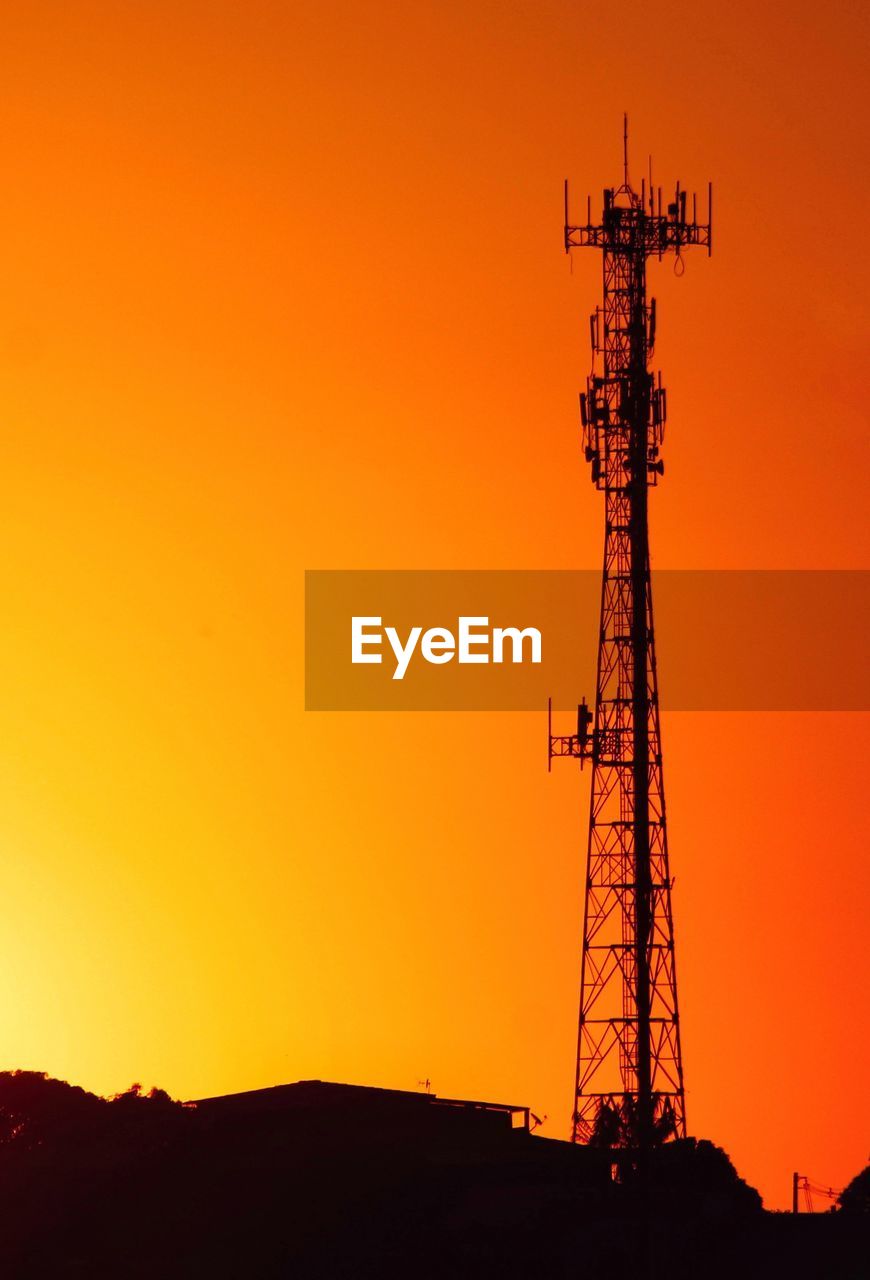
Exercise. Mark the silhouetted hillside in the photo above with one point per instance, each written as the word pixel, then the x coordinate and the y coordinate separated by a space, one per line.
pixel 339 1181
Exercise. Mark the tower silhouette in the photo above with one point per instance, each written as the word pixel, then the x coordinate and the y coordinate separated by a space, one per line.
pixel 629 1080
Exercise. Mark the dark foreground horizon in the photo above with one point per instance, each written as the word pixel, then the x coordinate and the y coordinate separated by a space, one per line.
pixel 330 1180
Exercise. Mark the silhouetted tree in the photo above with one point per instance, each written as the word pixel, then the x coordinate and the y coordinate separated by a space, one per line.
pixel 35 1110
pixel 855 1198
pixel 41 1113
pixel 609 1129
pixel 618 1122
pixel 694 1166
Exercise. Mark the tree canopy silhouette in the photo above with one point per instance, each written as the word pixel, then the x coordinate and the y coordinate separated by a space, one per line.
pixel 855 1198
pixel 41 1114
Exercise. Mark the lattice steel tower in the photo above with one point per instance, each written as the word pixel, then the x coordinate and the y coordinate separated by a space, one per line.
pixel 629 1082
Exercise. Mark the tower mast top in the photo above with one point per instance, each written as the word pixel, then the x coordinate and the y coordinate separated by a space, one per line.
pixel 639 225
pixel 625 181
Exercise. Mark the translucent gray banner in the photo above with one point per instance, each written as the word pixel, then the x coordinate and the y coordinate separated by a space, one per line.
pixel 726 640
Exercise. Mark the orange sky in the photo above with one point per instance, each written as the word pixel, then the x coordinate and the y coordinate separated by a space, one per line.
pixel 282 288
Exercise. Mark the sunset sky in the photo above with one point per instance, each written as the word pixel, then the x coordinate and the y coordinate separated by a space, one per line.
pixel 282 288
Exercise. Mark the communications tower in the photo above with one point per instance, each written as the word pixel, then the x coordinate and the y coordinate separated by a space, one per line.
pixel 629 1081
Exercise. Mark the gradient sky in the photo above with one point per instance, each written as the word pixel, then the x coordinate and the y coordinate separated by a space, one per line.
pixel 283 288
